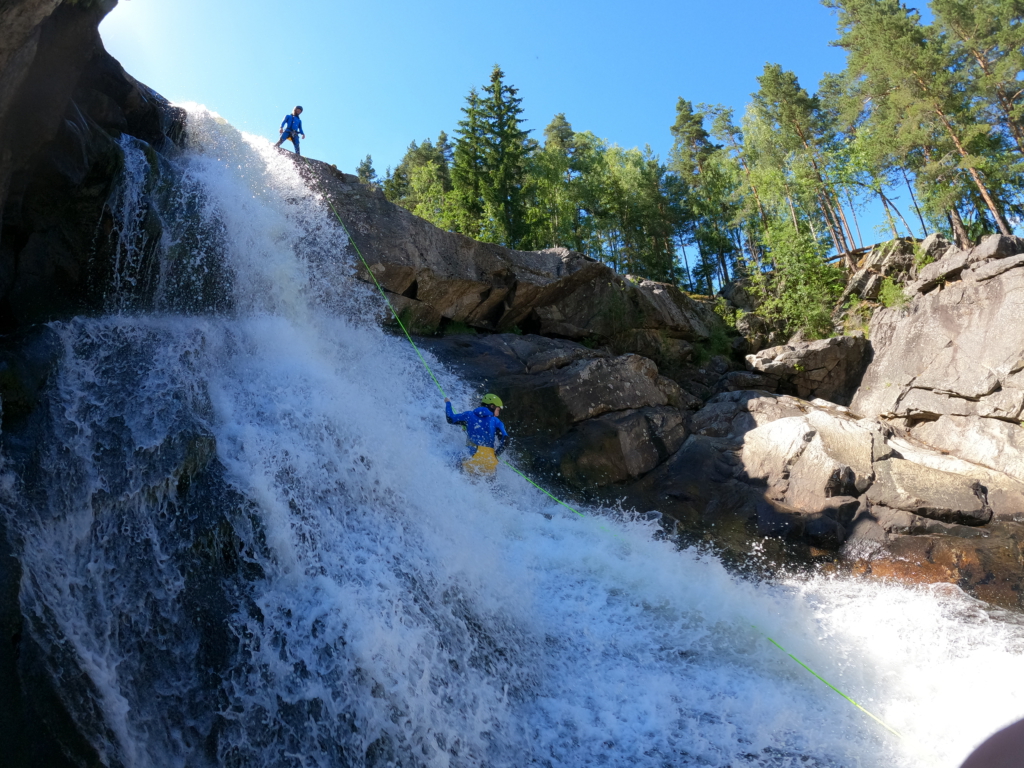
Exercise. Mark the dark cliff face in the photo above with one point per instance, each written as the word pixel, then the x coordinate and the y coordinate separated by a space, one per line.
pixel 64 103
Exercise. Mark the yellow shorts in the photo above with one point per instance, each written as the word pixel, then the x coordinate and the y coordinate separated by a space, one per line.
pixel 483 462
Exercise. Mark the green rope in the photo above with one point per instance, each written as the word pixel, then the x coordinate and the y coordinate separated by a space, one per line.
pixel 382 293
pixel 531 482
pixel 826 682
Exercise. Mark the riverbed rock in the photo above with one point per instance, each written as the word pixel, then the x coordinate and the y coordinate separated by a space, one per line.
pixel 928 492
pixel 586 416
pixel 616 447
pixel 988 567
pixel 818 476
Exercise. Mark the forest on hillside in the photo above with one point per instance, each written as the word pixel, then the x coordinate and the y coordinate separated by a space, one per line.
pixel 935 110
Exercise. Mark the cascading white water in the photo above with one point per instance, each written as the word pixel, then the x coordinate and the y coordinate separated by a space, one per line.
pixel 343 597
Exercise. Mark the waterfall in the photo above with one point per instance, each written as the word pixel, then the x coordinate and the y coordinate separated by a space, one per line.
pixel 244 544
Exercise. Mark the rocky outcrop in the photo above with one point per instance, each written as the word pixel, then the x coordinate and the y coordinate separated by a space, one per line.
pixel 587 416
pixel 895 259
pixel 814 477
pixel 949 367
pixel 829 369
pixel 56 180
pixel 436 277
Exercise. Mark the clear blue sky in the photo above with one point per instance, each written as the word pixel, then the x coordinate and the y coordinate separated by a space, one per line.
pixel 374 76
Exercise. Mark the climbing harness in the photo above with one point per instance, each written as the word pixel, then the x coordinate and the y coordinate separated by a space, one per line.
pixel 479 467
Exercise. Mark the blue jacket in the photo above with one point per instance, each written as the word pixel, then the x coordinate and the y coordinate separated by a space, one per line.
pixel 293 123
pixel 481 426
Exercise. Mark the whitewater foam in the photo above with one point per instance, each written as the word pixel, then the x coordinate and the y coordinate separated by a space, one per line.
pixel 384 609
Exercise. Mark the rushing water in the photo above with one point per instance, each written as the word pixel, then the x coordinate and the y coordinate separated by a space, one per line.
pixel 328 591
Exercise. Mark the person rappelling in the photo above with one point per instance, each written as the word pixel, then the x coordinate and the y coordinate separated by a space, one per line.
pixel 482 428
pixel 291 128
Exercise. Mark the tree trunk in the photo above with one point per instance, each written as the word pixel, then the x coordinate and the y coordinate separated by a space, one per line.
pixel 963 242
pixel 792 211
pixel 974 174
pixel 888 215
pixel 829 223
pixel 686 263
pixel 913 199
pixel 853 210
pixel 846 224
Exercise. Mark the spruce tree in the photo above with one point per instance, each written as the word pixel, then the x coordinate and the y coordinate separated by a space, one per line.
pixel 489 171
pixel 366 173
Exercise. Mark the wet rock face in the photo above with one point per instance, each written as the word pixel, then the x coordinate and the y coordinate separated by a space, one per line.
pixel 57 178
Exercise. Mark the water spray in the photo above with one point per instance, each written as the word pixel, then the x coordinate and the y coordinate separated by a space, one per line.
pixel 422 360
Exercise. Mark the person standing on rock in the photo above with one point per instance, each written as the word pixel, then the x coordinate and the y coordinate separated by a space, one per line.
pixel 482 428
pixel 291 128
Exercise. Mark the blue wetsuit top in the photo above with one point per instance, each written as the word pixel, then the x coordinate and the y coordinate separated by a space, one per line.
pixel 292 124
pixel 481 426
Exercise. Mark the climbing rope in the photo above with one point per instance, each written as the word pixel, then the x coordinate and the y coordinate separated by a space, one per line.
pixel 523 475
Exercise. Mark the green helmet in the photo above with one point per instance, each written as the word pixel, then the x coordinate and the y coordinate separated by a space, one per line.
pixel 494 400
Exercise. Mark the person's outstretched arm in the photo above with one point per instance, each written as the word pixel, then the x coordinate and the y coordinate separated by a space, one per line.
pixel 454 418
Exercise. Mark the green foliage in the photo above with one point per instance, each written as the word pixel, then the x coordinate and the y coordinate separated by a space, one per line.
pixel 490 161
pixel 366 173
pixel 802 290
pixel 921 259
pixel 458 328
pixel 935 110
pixel 891 294
pixel 718 343
pixel 857 318
pixel 728 314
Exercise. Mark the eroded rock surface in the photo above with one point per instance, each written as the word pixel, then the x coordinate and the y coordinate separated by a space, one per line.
pixel 817 476
pixel 828 368
pixel 56 179
pixel 435 277
pixel 949 367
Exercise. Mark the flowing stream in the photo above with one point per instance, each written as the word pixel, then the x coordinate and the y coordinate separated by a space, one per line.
pixel 244 545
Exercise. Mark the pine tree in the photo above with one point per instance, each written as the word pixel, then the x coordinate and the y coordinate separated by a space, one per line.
pixel 366 173
pixel 990 36
pixel 794 116
pixel 489 169
pixel 468 168
pixel 918 87
pixel 428 163
pixel 696 160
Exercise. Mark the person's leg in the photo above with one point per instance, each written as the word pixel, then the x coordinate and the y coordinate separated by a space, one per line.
pixel 295 141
